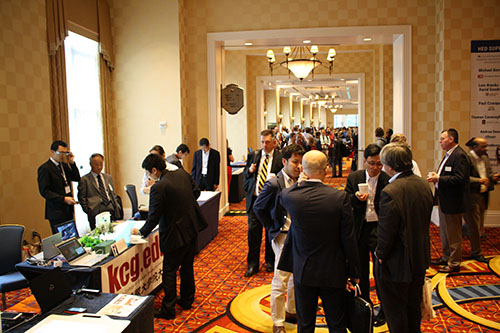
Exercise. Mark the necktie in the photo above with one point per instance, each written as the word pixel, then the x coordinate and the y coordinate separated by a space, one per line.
pixel 263 173
pixel 102 191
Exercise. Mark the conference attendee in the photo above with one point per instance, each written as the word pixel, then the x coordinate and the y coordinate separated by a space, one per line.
pixel 181 153
pixel 172 205
pixel 380 136
pixel 147 182
pixel 366 208
pixel 206 167
pixel 324 142
pixel 481 183
pixel 261 165
pixel 320 249
pixel 54 183
pixel 401 138
pixel 453 196
pixel 229 160
pixel 337 156
pixel 96 192
pixel 354 164
pixel 277 222
pixel 403 249
pixel 388 135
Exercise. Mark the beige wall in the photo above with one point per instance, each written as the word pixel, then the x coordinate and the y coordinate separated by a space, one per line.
pixel 146 84
pixel 25 121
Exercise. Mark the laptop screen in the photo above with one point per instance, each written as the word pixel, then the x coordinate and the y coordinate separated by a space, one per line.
pixel 67 229
pixel 71 249
pixel 49 246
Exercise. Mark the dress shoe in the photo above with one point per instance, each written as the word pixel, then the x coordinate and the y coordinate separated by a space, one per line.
pixel 269 268
pixel 449 269
pixel 291 318
pixel 480 258
pixel 182 304
pixel 164 315
pixel 378 320
pixel 251 271
pixel 440 262
pixel 279 329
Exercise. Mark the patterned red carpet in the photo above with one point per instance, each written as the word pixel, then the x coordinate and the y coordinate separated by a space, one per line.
pixel 219 270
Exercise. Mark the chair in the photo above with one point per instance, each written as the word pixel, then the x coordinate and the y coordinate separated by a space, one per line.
pixel 11 238
pixel 132 195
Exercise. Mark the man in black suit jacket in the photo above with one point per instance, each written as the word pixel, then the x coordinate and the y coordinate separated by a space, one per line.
pixel 320 248
pixel 276 220
pixel 206 167
pixel 172 205
pixel 261 165
pixel 403 249
pixel 453 196
pixel 366 208
pixel 54 183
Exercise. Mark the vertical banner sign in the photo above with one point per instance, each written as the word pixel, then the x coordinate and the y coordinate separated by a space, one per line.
pixel 485 96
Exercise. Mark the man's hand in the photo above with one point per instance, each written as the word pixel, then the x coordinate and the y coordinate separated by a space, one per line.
pixel 252 168
pixel 485 181
pixel 216 186
pixel 361 197
pixel 69 201
pixel 433 177
pixel 134 231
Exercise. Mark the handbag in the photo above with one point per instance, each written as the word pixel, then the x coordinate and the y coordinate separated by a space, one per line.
pixel 428 312
pixel 359 312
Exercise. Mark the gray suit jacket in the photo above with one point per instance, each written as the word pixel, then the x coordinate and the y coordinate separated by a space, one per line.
pixel 88 194
pixel 475 185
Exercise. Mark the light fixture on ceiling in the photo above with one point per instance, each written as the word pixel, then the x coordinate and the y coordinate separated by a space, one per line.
pixel 307 41
pixel 367 39
pixel 301 61
pixel 322 99
pixel 248 44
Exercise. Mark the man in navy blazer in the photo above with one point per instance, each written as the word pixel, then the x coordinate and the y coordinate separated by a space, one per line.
pixel 206 167
pixel 453 198
pixel 54 183
pixel 277 222
pixel 320 249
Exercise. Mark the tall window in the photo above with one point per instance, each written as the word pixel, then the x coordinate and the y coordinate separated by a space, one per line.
pixel 84 104
pixel 345 120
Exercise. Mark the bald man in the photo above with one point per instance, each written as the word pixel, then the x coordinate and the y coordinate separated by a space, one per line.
pixel 320 249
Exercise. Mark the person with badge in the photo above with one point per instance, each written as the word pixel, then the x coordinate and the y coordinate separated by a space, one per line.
pixel 54 183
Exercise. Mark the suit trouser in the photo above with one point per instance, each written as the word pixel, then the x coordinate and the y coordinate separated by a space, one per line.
pixel 401 302
pixel 55 222
pixel 474 219
pixel 255 240
pixel 282 283
pixel 367 244
pixel 204 185
pixel 450 230
pixel 337 161
pixel 183 258
pixel 334 304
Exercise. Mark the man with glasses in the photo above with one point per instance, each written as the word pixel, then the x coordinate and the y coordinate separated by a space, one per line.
pixel 365 204
pixel 54 183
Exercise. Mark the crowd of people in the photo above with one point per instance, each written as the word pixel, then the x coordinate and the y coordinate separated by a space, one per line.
pixel 318 240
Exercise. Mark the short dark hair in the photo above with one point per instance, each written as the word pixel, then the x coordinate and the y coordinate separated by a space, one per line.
pixel 289 150
pixel 95 155
pixel 183 148
pixel 397 156
pixel 204 142
pixel 372 150
pixel 153 161
pixel 55 145
pixel 267 132
pixel 158 148
pixel 379 132
pixel 453 133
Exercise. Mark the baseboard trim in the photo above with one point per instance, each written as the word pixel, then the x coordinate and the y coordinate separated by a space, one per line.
pixel 492 218
pixel 223 210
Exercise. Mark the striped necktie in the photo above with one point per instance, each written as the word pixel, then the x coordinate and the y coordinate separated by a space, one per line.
pixel 263 173
pixel 102 191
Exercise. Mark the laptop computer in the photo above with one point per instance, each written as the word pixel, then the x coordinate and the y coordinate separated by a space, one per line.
pixel 75 253
pixel 67 229
pixel 50 289
pixel 49 246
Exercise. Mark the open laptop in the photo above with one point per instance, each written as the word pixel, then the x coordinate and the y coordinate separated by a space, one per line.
pixel 49 246
pixel 67 229
pixel 76 255
pixel 50 289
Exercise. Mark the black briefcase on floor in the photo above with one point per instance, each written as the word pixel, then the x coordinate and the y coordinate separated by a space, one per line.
pixel 359 312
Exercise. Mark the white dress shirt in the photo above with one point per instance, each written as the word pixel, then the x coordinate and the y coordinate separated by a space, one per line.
pixel 481 168
pixel 204 159
pixel 371 214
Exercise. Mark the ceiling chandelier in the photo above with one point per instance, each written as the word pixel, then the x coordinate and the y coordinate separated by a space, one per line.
pixel 301 61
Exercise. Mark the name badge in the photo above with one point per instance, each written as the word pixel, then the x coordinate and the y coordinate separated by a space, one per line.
pixel 447 168
pixel 67 189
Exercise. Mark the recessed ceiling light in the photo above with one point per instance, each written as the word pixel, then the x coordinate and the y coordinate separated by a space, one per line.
pixel 307 41
pixel 367 39
pixel 248 44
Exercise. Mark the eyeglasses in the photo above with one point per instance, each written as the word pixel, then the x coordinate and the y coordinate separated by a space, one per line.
pixel 67 153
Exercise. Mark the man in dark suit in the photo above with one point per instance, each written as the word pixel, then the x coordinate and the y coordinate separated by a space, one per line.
pixel 96 192
pixel 366 208
pixel 54 183
pixel 277 222
pixel 403 249
pixel 453 196
pixel 320 248
pixel 172 205
pixel 206 167
pixel 337 155
pixel 261 165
